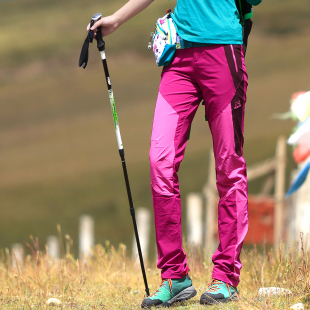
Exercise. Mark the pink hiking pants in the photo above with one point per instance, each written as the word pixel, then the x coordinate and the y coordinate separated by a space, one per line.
pixel 217 75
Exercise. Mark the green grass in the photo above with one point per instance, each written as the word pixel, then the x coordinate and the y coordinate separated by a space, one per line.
pixel 59 156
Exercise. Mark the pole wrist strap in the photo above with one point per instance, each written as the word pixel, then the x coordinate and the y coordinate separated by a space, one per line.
pixel 84 53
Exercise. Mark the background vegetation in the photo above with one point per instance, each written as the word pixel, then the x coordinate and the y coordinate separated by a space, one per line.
pixel 58 151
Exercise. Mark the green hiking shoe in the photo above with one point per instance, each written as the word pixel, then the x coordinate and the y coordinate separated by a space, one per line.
pixel 170 291
pixel 219 292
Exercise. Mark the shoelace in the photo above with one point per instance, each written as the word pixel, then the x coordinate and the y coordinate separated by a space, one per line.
pixel 214 286
pixel 162 285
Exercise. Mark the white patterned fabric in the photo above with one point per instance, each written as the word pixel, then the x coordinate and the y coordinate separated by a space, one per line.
pixel 165 34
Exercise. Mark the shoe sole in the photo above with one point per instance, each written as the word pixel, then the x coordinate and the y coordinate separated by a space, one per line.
pixel 186 294
pixel 210 301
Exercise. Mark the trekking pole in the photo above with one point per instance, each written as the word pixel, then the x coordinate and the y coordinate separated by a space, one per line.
pixel 101 48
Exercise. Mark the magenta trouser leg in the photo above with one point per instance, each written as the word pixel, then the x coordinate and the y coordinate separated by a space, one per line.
pixel 216 74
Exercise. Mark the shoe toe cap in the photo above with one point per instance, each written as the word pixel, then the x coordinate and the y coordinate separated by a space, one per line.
pixel 210 298
pixel 148 302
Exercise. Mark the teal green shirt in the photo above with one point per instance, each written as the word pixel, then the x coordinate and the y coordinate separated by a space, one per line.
pixel 208 21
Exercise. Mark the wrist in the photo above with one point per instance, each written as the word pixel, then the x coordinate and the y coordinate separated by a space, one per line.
pixel 118 20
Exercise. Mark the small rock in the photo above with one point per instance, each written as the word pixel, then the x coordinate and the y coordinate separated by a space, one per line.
pixel 53 302
pixel 272 291
pixel 299 306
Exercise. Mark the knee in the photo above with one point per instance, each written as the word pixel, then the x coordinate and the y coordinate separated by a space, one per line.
pixel 161 172
pixel 231 173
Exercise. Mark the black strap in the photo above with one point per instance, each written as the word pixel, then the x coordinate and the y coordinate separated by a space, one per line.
pixel 246 32
pixel 89 39
pixel 244 9
pixel 84 53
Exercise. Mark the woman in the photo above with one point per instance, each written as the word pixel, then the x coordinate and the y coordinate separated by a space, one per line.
pixel 210 67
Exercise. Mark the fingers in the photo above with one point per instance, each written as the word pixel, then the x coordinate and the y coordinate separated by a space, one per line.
pixel 108 25
pixel 92 28
pixel 96 24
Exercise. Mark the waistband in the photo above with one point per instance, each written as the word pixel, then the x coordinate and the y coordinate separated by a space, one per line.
pixel 187 44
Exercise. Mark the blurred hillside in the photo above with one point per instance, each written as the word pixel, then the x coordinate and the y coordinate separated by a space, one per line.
pixel 59 156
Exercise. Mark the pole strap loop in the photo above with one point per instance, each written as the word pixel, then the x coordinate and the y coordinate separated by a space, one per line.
pixel 84 53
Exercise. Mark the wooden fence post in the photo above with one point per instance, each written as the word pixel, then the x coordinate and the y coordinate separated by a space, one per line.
pixel 86 235
pixel 279 189
pixel 17 255
pixel 210 193
pixel 53 247
pixel 194 219
pixel 143 218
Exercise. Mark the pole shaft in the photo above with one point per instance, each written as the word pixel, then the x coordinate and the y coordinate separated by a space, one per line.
pixel 122 155
pixel 132 212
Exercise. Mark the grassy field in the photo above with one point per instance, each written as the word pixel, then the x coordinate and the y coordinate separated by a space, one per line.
pixel 111 281
pixel 59 156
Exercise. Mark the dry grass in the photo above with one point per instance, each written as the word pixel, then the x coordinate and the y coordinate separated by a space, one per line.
pixel 109 280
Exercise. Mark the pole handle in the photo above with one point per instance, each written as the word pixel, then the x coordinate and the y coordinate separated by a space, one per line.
pixel 100 42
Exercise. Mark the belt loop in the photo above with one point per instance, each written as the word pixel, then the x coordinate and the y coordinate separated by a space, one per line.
pixel 182 43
